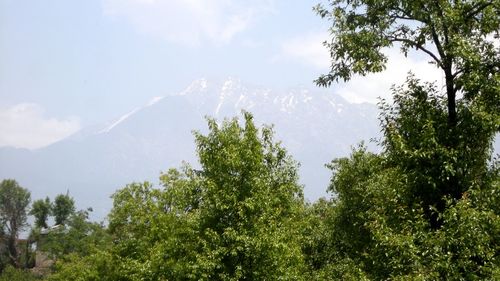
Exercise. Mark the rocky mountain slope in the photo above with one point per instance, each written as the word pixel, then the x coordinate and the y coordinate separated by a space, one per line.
pixel 314 125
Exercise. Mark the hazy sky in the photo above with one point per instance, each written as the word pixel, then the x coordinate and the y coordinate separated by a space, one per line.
pixel 67 64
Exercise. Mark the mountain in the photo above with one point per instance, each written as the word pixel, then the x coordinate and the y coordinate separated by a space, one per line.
pixel 315 126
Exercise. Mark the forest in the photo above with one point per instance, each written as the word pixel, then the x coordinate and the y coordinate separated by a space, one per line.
pixel 426 207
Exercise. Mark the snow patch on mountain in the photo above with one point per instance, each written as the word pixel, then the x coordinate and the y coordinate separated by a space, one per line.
pixel 197 86
pixel 155 100
pixel 118 121
pixel 124 117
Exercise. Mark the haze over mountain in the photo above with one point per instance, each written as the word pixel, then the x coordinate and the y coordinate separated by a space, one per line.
pixel 314 125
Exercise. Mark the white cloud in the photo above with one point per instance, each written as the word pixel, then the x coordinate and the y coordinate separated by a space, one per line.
pixel 369 88
pixel 188 22
pixel 26 126
pixel 309 50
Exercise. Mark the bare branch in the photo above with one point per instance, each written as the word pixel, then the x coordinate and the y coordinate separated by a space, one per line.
pixel 437 42
pixel 418 47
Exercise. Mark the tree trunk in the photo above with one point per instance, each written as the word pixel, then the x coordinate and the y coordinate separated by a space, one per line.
pixel 12 243
pixel 12 248
pixel 453 187
pixel 451 96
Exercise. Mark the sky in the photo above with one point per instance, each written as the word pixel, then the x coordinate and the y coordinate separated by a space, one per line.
pixel 66 64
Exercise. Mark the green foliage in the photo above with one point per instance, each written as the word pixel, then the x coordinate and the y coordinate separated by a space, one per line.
pixel 393 218
pixel 250 199
pixel 242 216
pixel 426 208
pixel 452 33
pixel 13 274
pixel 315 230
pixel 148 222
pixel 79 237
pixel 323 260
pixel 41 210
pixel 63 208
pixel 235 218
pixel 98 266
pixel 418 141
pixel 378 231
pixel 458 36
pixel 14 201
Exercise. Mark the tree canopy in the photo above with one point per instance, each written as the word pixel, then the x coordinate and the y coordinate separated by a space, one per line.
pixel 63 208
pixel 41 210
pixel 425 206
pixel 14 202
pixel 235 218
pixel 457 36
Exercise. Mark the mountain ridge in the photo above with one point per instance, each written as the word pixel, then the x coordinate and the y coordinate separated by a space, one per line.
pixel 314 126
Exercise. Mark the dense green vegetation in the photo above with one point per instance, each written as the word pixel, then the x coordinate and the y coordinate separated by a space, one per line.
pixel 77 236
pixel 427 207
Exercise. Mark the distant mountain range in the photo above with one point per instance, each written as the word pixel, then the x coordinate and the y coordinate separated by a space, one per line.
pixel 314 125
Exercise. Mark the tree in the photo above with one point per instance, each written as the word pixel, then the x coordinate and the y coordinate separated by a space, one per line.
pixel 407 213
pixel 457 37
pixel 415 134
pixel 78 237
pixel 235 218
pixel 454 34
pixel 41 210
pixel 63 208
pixel 250 201
pixel 376 230
pixel 14 201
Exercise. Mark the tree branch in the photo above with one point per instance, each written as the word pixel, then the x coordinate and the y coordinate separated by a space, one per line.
pixel 458 72
pixel 443 23
pixel 404 18
pixel 474 10
pixel 417 46
pixel 437 42
pixel 405 13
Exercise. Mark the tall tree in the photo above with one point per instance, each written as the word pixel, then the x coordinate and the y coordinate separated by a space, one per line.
pixel 249 204
pixel 41 210
pixel 63 208
pixel 407 213
pixel 458 37
pixel 14 201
